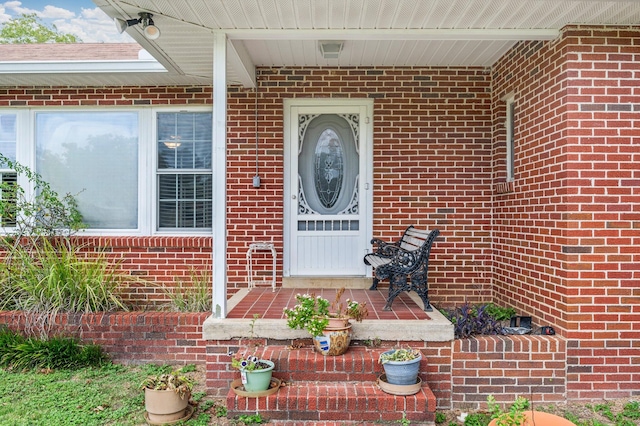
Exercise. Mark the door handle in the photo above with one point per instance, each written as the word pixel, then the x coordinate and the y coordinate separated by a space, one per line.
pixel 293 197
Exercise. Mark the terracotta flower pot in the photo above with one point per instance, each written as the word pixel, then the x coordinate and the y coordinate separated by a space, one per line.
pixel 337 323
pixel 164 406
pixel 539 418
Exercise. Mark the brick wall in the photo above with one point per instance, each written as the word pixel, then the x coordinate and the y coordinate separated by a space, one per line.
pixel 566 233
pixel 156 264
pixel 131 338
pixel 104 96
pixel 603 211
pixel 528 220
pixel 507 366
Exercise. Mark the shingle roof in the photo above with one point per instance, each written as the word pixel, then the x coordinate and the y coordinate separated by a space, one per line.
pixel 69 52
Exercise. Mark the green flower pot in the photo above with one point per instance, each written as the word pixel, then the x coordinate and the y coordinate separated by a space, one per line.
pixel 258 380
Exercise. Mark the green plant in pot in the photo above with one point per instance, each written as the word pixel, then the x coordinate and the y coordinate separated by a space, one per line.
pixel 401 366
pixel 255 373
pixel 166 397
pixel 328 323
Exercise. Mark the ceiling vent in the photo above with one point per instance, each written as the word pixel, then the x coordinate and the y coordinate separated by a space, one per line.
pixel 330 49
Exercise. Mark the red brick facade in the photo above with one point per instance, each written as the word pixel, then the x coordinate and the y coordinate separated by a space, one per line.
pixel 559 243
pixel 566 238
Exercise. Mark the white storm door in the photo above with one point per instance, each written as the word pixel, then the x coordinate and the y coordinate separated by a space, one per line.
pixel 327 187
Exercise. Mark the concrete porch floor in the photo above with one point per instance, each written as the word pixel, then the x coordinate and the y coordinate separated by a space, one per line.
pixel 407 322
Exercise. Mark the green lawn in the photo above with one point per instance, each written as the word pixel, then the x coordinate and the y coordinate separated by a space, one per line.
pixel 91 396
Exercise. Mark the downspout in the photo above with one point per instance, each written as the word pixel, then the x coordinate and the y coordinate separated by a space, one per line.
pixel 219 274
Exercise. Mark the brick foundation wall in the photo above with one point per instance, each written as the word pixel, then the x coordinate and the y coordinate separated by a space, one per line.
pixel 507 366
pixel 131 338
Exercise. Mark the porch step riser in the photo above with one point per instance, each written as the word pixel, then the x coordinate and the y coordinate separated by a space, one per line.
pixel 304 364
pixel 348 401
pixel 358 364
pixel 332 388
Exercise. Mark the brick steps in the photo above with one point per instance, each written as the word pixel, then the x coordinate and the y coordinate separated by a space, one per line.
pixel 320 390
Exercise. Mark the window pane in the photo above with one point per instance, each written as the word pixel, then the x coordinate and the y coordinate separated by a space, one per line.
pixel 185 201
pixel 8 135
pixel 93 156
pixel 184 140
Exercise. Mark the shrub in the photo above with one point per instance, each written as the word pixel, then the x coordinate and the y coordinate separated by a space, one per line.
pixel 54 277
pixel 43 272
pixel 18 352
pixel 469 320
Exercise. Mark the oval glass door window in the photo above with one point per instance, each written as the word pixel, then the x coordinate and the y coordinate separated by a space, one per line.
pixel 328 166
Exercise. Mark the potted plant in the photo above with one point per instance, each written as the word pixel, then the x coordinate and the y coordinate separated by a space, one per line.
pixel 255 373
pixel 401 366
pixel 328 323
pixel 166 397
pixel 519 415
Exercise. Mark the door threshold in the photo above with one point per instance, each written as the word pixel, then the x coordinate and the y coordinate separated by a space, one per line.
pixel 326 282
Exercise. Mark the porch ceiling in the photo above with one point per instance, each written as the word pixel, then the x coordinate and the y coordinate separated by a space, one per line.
pixel 285 33
pixel 375 32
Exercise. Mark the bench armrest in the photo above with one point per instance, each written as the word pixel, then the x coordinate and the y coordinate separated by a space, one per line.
pixel 379 245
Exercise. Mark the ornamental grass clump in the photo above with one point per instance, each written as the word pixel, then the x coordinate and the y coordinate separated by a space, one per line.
pixel 44 271
pixel 191 298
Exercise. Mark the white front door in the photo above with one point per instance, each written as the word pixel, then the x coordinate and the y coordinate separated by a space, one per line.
pixel 328 183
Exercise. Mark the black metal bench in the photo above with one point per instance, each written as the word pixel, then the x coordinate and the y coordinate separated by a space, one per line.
pixel 406 258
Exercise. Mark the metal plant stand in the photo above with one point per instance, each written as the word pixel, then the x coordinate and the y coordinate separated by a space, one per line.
pixel 255 247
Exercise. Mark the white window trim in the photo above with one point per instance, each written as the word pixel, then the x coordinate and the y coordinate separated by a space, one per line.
pixel 147 162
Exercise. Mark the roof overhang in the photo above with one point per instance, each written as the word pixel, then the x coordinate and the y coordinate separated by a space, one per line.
pixel 287 33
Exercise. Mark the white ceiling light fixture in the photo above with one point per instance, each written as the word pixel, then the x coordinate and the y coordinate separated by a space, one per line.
pixel 330 49
pixel 149 29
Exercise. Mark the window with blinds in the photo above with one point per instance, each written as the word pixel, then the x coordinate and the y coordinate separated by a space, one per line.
pixel 8 178
pixel 184 170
